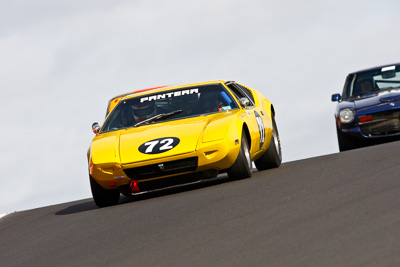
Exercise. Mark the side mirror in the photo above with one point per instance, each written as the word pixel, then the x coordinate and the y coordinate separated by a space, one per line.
pixel 96 128
pixel 244 102
pixel 336 97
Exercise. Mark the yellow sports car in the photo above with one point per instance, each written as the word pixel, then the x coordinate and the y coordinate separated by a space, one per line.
pixel 172 135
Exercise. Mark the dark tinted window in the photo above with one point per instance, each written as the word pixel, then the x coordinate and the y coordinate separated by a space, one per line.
pixel 367 82
pixel 193 101
pixel 240 91
pixel 247 92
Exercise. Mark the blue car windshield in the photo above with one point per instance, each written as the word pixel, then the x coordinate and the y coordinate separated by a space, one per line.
pixel 175 104
pixel 372 81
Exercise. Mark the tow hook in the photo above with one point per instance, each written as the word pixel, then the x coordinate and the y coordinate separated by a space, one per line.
pixel 133 184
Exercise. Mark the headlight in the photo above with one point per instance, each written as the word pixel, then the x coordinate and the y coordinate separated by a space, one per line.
pixel 346 115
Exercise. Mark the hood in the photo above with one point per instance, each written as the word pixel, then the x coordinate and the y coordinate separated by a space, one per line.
pixel 377 99
pixel 159 140
pixel 165 139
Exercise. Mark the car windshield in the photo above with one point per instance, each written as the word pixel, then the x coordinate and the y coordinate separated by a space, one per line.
pixel 169 105
pixel 381 79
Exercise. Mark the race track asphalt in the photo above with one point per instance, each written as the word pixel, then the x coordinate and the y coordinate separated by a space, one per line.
pixel 335 210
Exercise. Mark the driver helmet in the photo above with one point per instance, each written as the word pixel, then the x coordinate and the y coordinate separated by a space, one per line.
pixel 143 111
pixel 366 84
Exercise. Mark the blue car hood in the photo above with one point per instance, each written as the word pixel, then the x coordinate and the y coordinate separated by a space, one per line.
pixel 377 99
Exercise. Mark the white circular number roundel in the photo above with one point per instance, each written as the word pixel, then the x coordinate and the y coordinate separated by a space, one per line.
pixel 159 145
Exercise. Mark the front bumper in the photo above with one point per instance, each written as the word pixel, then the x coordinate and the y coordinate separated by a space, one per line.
pixel 357 133
pixel 206 162
pixel 381 124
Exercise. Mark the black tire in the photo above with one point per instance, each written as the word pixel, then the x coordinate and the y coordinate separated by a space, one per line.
pixel 345 143
pixel 272 158
pixel 242 167
pixel 103 197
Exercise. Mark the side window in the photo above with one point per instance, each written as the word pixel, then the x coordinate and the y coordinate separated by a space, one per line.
pixel 348 85
pixel 247 92
pixel 240 91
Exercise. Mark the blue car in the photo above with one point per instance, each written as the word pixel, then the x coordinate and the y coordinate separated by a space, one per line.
pixel 368 111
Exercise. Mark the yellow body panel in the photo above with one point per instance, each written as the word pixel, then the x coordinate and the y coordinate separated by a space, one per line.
pixel 213 138
pixel 187 130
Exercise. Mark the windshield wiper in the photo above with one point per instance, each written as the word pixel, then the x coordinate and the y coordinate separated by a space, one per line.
pixel 159 116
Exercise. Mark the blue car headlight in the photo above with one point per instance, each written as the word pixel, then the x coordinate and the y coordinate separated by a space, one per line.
pixel 346 115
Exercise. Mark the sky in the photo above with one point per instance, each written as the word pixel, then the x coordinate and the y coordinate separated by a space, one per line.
pixel 61 61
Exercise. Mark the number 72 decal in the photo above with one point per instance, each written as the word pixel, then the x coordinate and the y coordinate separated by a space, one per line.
pixel 159 145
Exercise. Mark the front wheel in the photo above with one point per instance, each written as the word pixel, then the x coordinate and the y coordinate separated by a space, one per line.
pixel 103 197
pixel 272 158
pixel 242 167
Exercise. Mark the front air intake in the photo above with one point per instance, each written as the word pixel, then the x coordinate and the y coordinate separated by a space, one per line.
pixel 162 169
